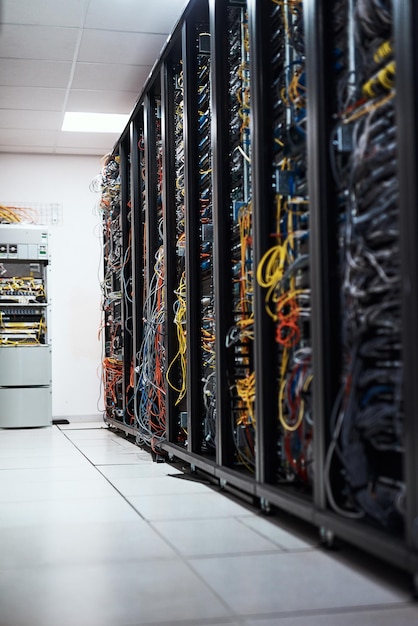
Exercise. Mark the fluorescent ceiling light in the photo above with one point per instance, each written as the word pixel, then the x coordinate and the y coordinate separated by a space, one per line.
pixel 94 122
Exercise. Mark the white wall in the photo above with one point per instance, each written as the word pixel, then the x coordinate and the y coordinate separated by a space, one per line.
pixel 76 259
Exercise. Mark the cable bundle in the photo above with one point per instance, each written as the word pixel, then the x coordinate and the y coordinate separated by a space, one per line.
pixel 112 364
pixel 14 214
pixel 239 339
pixel 367 425
pixel 207 332
pixel 180 323
pixel 112 373
pixel 150 386
pixel 283 271
pixel 177 369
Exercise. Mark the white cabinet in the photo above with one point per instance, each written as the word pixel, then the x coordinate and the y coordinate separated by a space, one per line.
pixel 25 351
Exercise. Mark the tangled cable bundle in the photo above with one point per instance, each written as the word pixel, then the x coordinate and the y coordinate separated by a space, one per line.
pixel 368 413
pixel 150 387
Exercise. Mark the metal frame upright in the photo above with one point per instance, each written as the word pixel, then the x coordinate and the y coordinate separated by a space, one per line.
pixel 169 191
pixel 406 55
pixel 137 225
pixel 220 165
pixel 126 277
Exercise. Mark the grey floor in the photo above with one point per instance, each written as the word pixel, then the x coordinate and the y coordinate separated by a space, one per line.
pixel 93 533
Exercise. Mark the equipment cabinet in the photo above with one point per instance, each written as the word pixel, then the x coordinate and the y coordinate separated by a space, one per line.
pixel 266 261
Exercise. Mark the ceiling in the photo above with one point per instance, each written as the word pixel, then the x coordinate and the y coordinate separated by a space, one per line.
pixel 74 55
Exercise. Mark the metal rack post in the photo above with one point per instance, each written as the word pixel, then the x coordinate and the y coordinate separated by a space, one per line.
pixel 264 344
pixel 191 206
pixel 406 55
pixel 324 233
pixel 137 240
pixel 220 198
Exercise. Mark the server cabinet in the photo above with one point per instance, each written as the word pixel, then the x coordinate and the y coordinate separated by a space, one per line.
pixel 112 364
pixel 173 115
pixel 117 364
pixel 282 242
pixel 357 160
pixel 151 361
pixel 272 155
pixel 25 349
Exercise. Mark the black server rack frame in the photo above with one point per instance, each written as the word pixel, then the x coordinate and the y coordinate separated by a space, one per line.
pixel 400 549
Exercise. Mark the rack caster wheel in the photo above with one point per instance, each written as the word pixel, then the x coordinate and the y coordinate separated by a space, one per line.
pixel 327 537
pixel 265 506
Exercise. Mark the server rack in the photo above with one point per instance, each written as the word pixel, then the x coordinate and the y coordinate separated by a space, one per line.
pixel 117 364
pixel 259 409
pixel 150 363
pixel 25 340
pixel 186 80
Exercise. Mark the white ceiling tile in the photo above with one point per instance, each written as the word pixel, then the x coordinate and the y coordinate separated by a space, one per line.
pixel 35 98
pixel 35 120
pixel 39 74
pixel 51 12
pixel 101 101
pixel 25 138
pixel 50 43
pixel 103 76
pixel 29 73
pixel 99 46
pixel 104 141
pixel 135 15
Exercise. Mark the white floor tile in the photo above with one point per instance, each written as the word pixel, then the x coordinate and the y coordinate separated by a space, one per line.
pixel 16 438
pixel 111 445
pixel 291 581
pixel 116 595
pixel 402 616
pixel 193 506
pixel 37 451
pixel 29 440
pixel 213 537
pixel 94 434
pixel 97 456
pixel 31 491
pixel 99 510
pixel 158 485
pixel 274 533
pixel 86 471
pixel 30 462
pixel 73 551
pixel 97 425
pixel 88 543
pixel 139 470
pixel 102 449
pixel 93 444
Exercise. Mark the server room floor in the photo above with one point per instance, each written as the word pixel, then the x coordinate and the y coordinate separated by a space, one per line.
pixel 94 533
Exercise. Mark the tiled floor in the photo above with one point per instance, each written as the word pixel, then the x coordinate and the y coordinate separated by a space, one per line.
pixel 93 533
